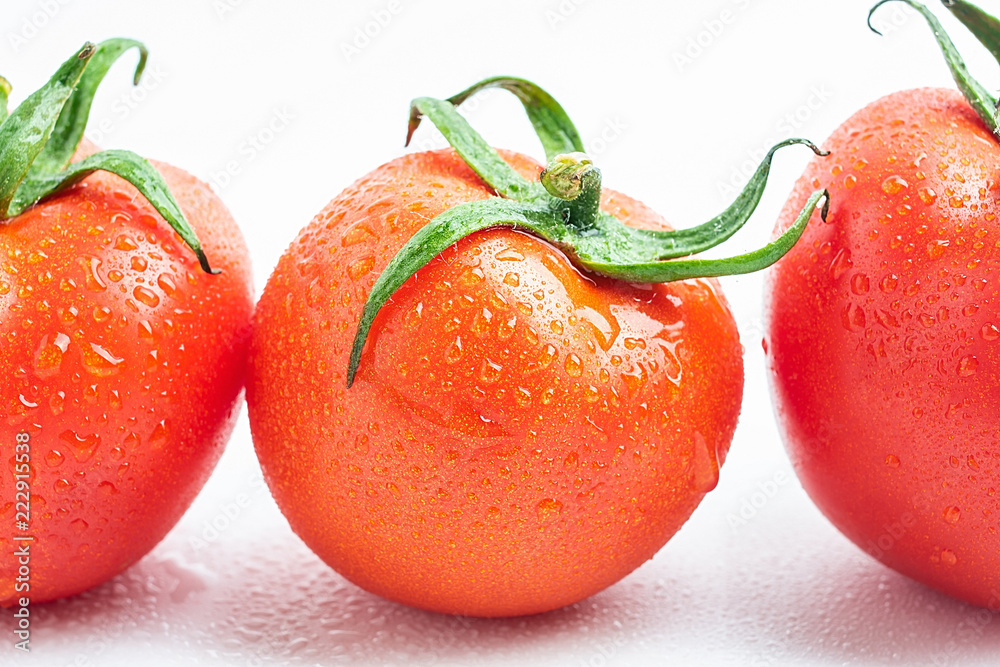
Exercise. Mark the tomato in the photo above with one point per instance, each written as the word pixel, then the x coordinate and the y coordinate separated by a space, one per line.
pixel 521 432
pixel 123 364
pixel 521 436
pixel 883 341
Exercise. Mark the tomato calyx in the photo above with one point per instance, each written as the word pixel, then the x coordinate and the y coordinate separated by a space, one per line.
pixel 563 209
pixel 986 28
pixel 38 140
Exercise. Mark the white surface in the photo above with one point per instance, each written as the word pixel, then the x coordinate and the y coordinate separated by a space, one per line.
pixel 782 589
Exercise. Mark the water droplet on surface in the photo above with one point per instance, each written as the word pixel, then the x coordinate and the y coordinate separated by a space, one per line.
pixel 557 327
pixel 990 332
pixel 166 283
pixel 99 361
pixel 83 446
pixel 454 352
pixel 706 464
pixel 967 366
pixel 509 255
pixel 78 526
pixel 859 283
pixel 512 279
pixel 892 461
pixel 549 509
pixel 91 270
pixel 893 185
pixel 54 458
pixel 360 268
pixel 159 434
pixel 927 195
pixel 574 366
pixel 948 557
pixel 489 371
pixel 146 296
pixel 952 514
pixel 49 355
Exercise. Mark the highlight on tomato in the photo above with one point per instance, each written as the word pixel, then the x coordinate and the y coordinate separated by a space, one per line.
pixel 482 387
pixel 122 350
pixel 883 329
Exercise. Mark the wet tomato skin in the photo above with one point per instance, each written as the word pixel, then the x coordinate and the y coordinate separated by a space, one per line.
pixel 883 341
pixel 519 435
pixel 124 362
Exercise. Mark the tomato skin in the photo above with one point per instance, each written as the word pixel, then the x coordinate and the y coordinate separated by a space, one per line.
pixel 883 341
pixel 519 436
pixel 125 364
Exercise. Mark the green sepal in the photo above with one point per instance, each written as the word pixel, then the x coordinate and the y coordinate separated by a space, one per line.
pixel 551 122
pixel 4 94
pixel 38 140
pixel 131 167
pixel 68 131
pixel 24 132
pixel 984 104
pixel 472 148
pixel 984 26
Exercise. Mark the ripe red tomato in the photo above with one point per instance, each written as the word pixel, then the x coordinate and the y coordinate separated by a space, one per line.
pixel 519 436
pixel 122 365
pixel 883 341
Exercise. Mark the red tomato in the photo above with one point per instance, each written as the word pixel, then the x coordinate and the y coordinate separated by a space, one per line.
pixel 883 341
pixel 124 363
pixel 520 435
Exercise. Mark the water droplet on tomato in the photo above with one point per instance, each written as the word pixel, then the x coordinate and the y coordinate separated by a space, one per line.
pixel 549 509
pixel 990 332
pixel 952 514
pixel 894 184
pixel 956 202
pixel 165 281
pixel 927 195
pixel 49 355
pixel 706 464
pixel 63 486
pixel 125 243
pixel 557 327
pixel 360 268
pixel 892 461
pixel 454 352
pixel 107 488
pixel 509 255
pixel 82 446
pixel 967 366
pixel 146 296
pixel 138 264
pixel 948 557
pixel 92 274
pixel 512 279
pixel 99 361
pixel 489 371
pixel 56 402
pixel 860 283
pixel 159 434
pixel 78 526
pixel 935 249
pixel 54 458
pixel 574 365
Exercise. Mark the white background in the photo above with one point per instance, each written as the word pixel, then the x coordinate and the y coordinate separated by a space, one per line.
pixel 780 588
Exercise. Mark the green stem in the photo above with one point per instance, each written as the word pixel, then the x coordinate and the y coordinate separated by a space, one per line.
pixel 985 27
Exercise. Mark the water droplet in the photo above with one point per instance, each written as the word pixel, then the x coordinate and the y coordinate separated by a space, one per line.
pixel 557 327
pixel 91 270
pixel 63 486
pixel 159 434
pixel 357 234
pixel 850 181
pixel 927 196
pixel 948 557
pixel 893 185
pixel 138 264
pixel 967 366
pixel 107 488
pixel 859 283
pixel 956 202
pixel 489 371
pixel 549 509
pixel 990 332
pixel 78 526
pixel 147 296
pixel 935 249
pixel 841 262
pixel 892 461
pixel 56 402
pixel 571 460
pixel 99 361
pixel 509 255
pixel 512 279
pixel 574 366
pixel 54 458
pixel 125 243
pixel 360 268
pixel 49 355
pixel 705 461
pixel 83 446
pixel 166 283
pixel 454 352
pixel 952 514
